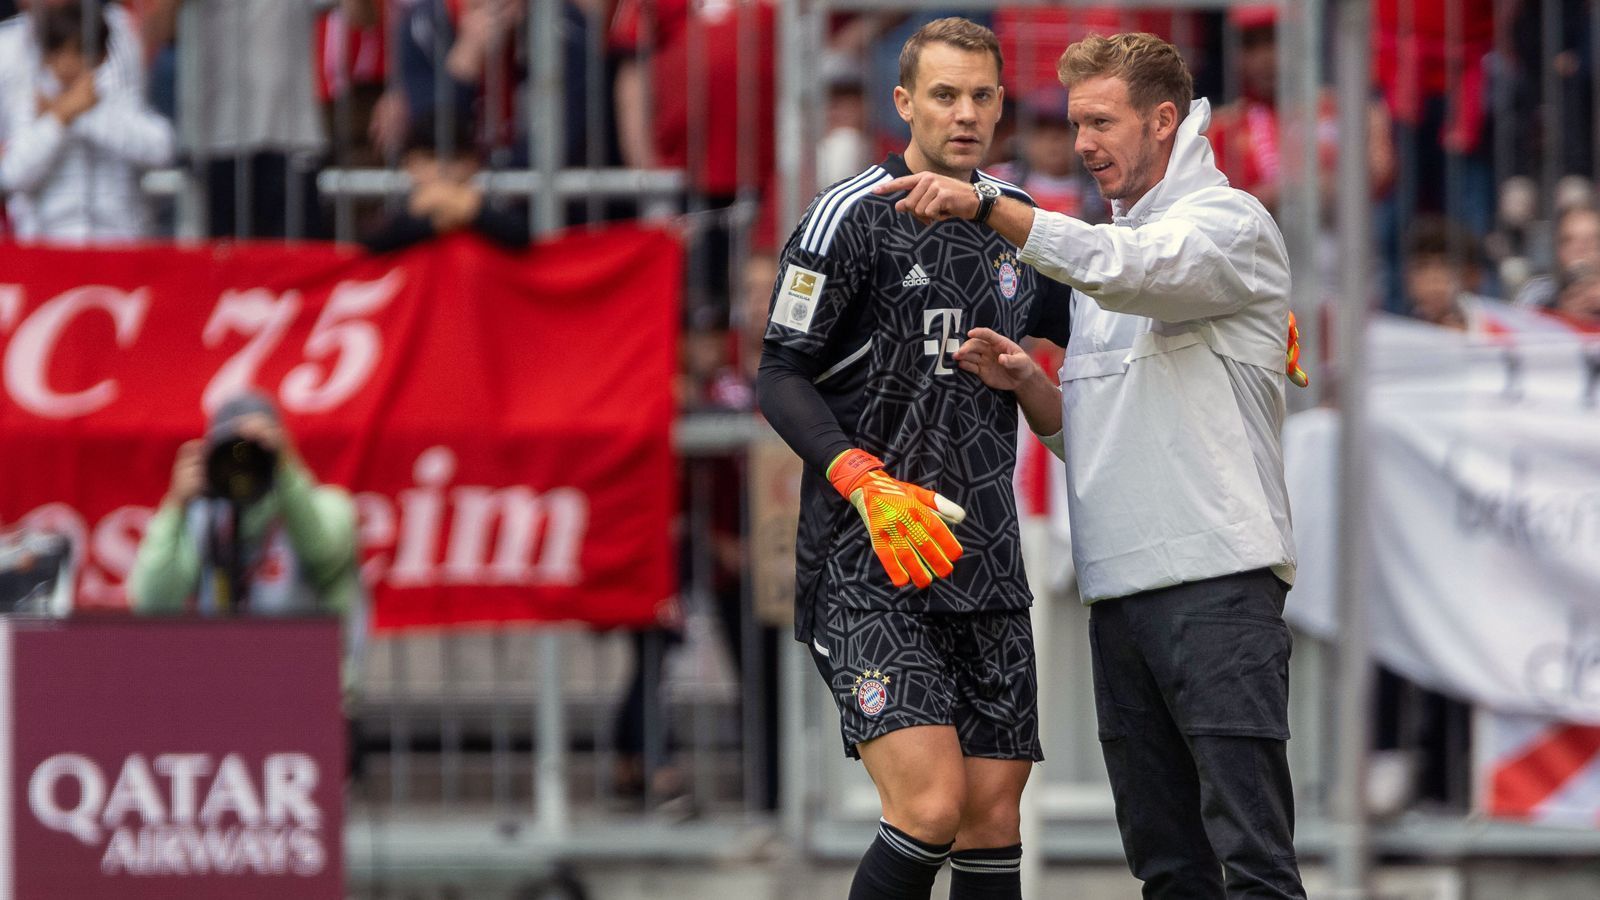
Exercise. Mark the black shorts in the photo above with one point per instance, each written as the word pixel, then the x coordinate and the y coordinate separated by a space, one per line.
pixel 889 670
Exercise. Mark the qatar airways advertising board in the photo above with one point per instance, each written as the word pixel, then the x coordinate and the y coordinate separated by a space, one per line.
pixel 171 759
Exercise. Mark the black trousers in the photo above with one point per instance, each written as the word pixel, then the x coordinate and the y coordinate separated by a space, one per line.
pixel 266 181
pixel 1192 696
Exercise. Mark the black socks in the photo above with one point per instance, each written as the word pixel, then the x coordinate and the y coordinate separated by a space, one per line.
pixel 897 867
pixel 900 867
pixel 993 873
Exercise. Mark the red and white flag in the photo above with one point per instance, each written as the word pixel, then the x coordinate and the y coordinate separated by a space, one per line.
pixel 1539 770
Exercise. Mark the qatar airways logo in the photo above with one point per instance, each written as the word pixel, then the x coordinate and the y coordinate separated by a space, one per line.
pixel 187 813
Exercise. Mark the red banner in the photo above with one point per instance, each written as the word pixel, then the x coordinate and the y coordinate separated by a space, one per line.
pixel 171 760
pixel 503 420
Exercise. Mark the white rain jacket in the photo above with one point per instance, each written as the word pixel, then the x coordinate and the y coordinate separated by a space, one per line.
pixel 1173 383
pixel 77 184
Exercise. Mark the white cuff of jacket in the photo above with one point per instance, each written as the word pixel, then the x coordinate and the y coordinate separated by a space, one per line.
pixel 1054 244
pixel 1055 443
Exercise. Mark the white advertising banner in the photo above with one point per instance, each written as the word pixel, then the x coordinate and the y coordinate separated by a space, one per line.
pixel 1484 515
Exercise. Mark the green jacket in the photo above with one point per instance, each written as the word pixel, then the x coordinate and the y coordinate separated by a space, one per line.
pixel 319 522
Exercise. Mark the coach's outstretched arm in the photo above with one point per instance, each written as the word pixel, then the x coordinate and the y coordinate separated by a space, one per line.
pixel 1201 259
pixel 1194 263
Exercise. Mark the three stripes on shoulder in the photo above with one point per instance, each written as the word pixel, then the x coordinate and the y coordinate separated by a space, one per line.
pixel 833 206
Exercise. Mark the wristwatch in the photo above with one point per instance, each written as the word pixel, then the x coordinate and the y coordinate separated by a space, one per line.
pixel 988 194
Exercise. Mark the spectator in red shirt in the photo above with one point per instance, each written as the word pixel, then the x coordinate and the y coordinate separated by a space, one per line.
pixel 1244 135
pixel 704 105
pixel 723 102
pixel 1429 64
pixel 351 68
pixel 1032 38
pixel 1428 52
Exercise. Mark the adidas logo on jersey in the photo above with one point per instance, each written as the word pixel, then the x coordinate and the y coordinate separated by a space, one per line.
pixel 916 277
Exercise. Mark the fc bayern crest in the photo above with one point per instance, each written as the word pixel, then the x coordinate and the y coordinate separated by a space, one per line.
pixel 872 692
pixel 1006 277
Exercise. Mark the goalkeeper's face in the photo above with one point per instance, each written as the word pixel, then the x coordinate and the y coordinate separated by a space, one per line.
pixel 952 108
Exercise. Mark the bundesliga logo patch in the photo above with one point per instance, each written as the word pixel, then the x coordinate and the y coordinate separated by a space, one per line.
pixel 802 288
pixel 1005 270
pixel 871 691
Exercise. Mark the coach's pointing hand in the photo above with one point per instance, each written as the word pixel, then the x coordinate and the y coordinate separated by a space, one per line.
pixel 1002 364
pixel 932 197
pixel 997 360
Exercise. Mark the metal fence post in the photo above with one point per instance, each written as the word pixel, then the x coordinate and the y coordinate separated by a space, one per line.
pixel 546 130
pixel 1351 830
pixel 192 216
pixel 1036 560
pixel 1299 214
pixel 797 753
pixel 546 136
pixel 551 805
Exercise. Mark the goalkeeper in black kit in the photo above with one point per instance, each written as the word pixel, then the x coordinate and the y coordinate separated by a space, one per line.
pixel 911 593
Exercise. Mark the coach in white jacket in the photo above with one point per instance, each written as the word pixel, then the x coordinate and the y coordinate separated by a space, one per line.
pixel 1168 417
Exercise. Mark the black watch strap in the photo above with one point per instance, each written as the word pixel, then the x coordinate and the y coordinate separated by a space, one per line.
pixel 986 202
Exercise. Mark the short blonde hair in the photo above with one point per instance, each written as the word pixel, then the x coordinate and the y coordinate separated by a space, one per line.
pixel 963 34
pixel 1151 67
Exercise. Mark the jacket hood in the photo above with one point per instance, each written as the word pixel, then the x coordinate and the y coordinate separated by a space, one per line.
pixel 1190 169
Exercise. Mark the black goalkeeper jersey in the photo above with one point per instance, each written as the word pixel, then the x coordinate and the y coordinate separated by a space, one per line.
pixel 869 306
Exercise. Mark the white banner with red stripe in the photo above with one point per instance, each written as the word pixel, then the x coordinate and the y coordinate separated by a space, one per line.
pixel 1483 531
pixel 1483 521
pixel 1538 770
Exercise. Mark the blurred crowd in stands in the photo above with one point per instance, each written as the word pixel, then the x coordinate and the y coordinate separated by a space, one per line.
pixel 1481 121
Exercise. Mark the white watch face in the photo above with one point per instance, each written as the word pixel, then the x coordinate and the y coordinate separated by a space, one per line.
pixel 985 189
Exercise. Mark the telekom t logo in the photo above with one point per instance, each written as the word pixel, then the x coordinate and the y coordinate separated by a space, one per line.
pixel 949 340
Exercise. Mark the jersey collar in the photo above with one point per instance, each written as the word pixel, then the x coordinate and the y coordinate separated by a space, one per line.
pixel 895 165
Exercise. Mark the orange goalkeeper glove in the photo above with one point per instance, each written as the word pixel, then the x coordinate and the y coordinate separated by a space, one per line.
pixel 907 523
pixel 1296 374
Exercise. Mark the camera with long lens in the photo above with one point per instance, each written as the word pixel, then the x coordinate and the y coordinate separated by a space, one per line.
pixel 239 470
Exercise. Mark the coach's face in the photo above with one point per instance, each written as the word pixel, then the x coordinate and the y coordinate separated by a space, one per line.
pixel 1124 150
pixel 952 108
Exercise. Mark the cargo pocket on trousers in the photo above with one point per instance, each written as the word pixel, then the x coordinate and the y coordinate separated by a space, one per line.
pixel 1233 676
pixel 1108 717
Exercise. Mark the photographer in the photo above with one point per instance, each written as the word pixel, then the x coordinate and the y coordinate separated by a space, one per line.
pixel 294 552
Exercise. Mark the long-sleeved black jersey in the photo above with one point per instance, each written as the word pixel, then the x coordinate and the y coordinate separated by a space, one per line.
pixel 869 307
